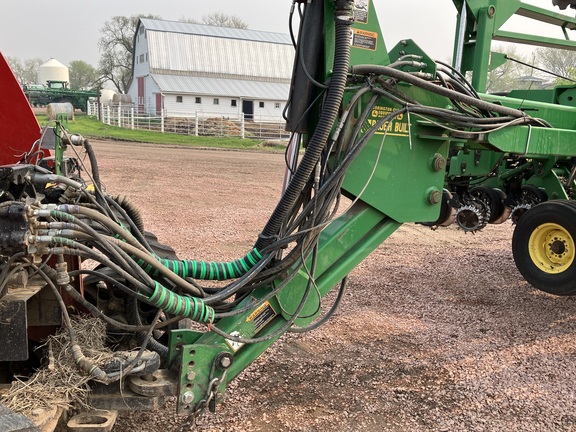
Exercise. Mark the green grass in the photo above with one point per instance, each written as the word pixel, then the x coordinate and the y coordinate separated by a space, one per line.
pixel 90 127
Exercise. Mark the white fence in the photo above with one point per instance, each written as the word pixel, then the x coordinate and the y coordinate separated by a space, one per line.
pixel 197 123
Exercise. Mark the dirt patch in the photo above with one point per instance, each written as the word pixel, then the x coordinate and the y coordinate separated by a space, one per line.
pixel 438 331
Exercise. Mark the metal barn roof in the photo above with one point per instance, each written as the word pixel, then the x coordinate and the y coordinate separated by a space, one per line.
pixel 185 53
pixel 214 31
pixel 222 87
pixel 218 52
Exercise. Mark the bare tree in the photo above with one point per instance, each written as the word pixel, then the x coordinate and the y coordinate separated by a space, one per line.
pixel 117 44
pixel 218 19
pixel 117 48
pixel 26 71
pixel 558 61
pixel 510 75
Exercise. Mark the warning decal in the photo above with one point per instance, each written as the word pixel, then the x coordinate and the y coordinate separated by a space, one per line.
pixel 361 11
pixel 364 39
pixel 261 316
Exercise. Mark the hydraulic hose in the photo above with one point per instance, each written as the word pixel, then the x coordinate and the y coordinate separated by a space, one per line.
pixel 206 270
pixel 344 19
pixel 94 164
pixel 426 85
pixel 133 316
pixel 131 210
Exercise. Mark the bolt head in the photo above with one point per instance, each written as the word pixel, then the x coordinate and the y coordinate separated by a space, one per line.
pixel 187 398
pixel 190 376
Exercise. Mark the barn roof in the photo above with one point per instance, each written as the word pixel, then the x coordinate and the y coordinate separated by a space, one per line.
pixel 218 52
pixel 222 87
pixel 214 31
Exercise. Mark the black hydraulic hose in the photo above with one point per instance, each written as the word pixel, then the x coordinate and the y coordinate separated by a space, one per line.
pixel 95 172
pixel 133 316
pixel 427 85
pixel 328 314
pixel 93 164
pixel 461 76
pixel 316 145
pixel 132 215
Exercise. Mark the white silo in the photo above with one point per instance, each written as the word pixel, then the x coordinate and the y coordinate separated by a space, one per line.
pixel 53 70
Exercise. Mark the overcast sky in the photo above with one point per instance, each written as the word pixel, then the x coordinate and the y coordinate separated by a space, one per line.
pixel 69 29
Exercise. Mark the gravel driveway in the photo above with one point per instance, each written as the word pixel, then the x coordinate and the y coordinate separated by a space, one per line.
pixel 438 332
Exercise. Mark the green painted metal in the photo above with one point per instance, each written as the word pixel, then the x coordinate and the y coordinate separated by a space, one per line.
pixel 473 162
pixel 343 245
pixel 483 24
pixel 528 39
pixel 561 95
pixel 398 177
pixel 408 46
pixel 534 142
pixel 59 147
pixel 379 173
pixel 368 45
pixel 559 116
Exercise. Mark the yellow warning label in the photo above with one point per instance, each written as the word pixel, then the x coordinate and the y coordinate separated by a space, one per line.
pixel 364 39
pixel 398 126
pixel 262 316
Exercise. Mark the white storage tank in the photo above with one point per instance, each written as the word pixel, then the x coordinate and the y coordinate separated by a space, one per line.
pixel 53 70
pixel 106 95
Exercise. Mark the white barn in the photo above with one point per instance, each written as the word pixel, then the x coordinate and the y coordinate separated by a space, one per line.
pixel 182 68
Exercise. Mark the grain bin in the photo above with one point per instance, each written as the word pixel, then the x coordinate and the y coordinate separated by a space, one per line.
pixel 106 95
pixel 53 70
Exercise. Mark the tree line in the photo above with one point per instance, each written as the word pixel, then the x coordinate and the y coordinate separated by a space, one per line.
pixel 116 46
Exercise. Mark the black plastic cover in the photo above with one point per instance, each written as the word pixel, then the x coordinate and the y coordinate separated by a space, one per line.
pixel 13 228
pixel 563 4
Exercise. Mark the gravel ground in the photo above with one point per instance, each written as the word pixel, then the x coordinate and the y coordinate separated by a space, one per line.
pixel 438 331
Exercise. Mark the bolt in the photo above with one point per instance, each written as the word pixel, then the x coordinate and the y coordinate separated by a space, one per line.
pixel 190 376
pixel 187 398
pixel 434 196
pixel 225 362
pixel 439 162
pixel 491 11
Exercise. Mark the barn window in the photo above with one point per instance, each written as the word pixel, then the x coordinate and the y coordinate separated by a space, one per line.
pixel 146 56
pixel 216 101
pixel 179 99
pixel 141 58
pixel 261 104
pixel 277 105
pixel 233 102
pixel 198 100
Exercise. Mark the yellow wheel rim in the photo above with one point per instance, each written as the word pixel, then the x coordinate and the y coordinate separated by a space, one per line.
pixel 551 248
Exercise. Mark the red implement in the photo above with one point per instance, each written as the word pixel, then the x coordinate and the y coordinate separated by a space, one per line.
pixel 19 128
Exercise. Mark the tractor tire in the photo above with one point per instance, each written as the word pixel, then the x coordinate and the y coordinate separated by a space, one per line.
pixel 544 247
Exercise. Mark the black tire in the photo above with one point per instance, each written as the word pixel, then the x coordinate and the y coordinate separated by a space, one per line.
pixel 534 193
pixel 543 247
pixel 493 198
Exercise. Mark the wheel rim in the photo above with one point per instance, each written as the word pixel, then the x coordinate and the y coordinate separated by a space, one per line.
pixel 551 248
